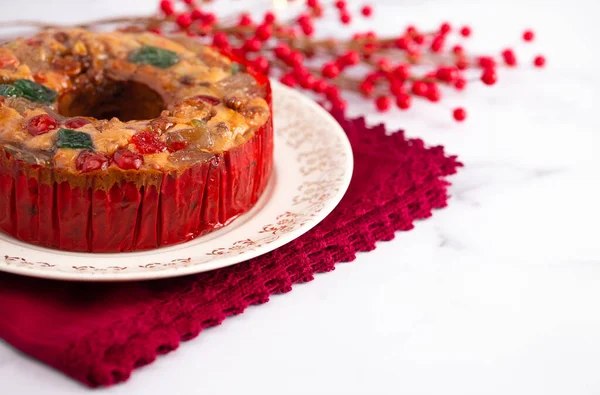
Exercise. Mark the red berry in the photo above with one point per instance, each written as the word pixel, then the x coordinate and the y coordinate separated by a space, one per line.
pixel 528 35
pixel 264 32
pixel 509 57
pixel 460 84
pixel 305 19
pixel 345 18
pixel 419 39
pixel 486 62
pixel 419 88
pixel 539 61
pixel 465 31
pixel 167 7
pixel 196 14
pixel 148 143
pixel 270 18
pixel 462 64
pixel 252 44
pixel 403 43
pixel 308 29
pixel 245 20
pixel 375 76
pixel 88 161
pixel 307 81
pixel 339 104
pixel 188 2
pixel 154 30
pixel 437 44
pixel 261 64
pixel 446 74
pixel 383 103
pixel 402 71
pixel 340 4
pixel 75 123
pixel 367 88
pixel 411 30
pixel 184 21
pixel 397 87
pixel 330 70
pixel 457 50
pixel 210 19
pixel 367 10
pixel 403 101
pixel 312 3
pixel 333 93
pixel 445 28
pixel 295 58
pixel 320 86
pixel 459 114
pixel 220 40
pixel 489 76
pixel 384 64
pixel 433 93
pixel 282 51
pixel 289 80
pixel 41 124
pixel 128 160
pixel 351 58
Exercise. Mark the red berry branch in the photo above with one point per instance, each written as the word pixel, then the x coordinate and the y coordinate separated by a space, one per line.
pixel 415 65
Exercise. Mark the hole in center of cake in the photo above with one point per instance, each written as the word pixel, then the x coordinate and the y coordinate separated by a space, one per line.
pixel 126 100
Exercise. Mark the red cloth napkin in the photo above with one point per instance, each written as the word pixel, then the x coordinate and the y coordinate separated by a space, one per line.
pixel 98 333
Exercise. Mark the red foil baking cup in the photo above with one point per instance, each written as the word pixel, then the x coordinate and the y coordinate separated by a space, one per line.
pixel 84 212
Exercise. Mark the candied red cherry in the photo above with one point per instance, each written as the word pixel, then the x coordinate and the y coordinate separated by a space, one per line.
pixel 148 143
pixel 128 160
pixel 177 145
pixel 41 124
pixel 208 99
pixel 75 123
pixel 88 161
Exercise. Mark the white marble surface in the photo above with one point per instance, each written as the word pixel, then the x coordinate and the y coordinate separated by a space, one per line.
pixel 497 294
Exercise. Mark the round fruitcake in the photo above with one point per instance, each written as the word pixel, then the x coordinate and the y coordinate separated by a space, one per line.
pixel 115 141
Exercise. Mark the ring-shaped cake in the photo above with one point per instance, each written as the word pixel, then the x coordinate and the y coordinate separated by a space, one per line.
pixel 116 141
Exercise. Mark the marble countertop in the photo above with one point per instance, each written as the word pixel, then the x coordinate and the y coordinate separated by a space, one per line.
pixel 493 295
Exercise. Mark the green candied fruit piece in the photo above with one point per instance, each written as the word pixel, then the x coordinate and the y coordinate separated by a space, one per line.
pixel 34 91
pixel 154 56
pixel 69 138
pixel 235 68
pixel 9 91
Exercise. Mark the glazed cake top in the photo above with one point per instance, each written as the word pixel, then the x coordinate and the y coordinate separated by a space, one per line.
pixel 81 101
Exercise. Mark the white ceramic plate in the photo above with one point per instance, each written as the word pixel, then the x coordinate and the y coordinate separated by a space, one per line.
pixel 313 167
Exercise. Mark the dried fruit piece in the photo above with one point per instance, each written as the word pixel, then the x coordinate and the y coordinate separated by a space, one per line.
pixel 234 103
pixel 88 161
pixel 34 91
pixel 148 143
pixel 38 157
pixel 9 91
pixel 68 138
pixel 190 156
pixel 240 84
pixel 67 65
pixel 75 123
pixel 128 160
pixel 41 124
pixel 160 125
pixel 154 56
pixel 207 99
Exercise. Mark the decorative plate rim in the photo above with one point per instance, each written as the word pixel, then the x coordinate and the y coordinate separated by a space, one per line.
pixel 325 178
